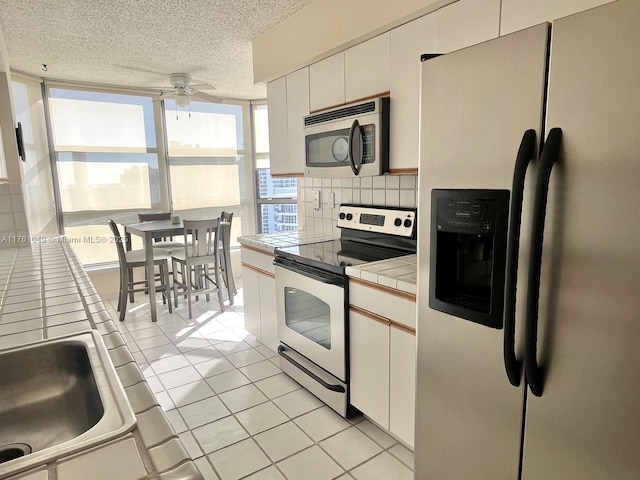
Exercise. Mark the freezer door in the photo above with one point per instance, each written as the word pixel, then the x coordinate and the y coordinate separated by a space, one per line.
pixel 476 105
pixel 586 425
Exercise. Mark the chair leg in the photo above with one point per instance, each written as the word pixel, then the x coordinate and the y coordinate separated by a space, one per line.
pixel 122 297
pixel 175 283
pixel 206 281
pixel 162 283
pixel 188 281
pixel 167 285
pixel 216 276
pixel 130 280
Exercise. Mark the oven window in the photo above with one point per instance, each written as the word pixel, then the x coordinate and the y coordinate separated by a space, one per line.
pixel 308 315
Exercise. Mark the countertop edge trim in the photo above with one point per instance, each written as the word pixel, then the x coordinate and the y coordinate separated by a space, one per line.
pixel 391 291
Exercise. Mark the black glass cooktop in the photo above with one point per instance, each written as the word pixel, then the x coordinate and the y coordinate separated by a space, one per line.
pixel 336 255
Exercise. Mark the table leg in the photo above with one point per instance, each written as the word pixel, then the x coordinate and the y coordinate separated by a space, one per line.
pixel 226 248
pixel 151 279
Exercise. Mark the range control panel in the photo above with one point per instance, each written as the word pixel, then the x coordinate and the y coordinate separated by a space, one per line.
pixel 396 221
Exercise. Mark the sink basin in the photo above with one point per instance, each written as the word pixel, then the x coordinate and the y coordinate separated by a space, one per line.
pixel 59 396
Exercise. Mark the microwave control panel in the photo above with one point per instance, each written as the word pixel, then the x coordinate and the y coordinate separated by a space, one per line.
pixel 398 222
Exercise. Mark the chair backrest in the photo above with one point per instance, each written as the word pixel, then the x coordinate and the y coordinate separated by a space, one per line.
pixel 149 217
pixel 226 217
pixel 119 241
pixel 204 240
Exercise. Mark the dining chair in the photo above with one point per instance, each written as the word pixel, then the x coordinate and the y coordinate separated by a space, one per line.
pixel 166 243
pixel 225 247
pixel 198 264
pixel 131 259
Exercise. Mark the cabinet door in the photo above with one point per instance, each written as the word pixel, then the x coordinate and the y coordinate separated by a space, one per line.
pixel 326 82
pixel 297 108
pixel 466 23
pixel 366 68
pixel 251 299
pixel 402 383
pixel 268 317
pixel 278 141
pixel 369 357
pixel 519 14
pixel 408 42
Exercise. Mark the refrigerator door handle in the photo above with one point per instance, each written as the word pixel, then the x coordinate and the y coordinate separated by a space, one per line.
pixel 356 147
pixel 525 154
pixel 533 372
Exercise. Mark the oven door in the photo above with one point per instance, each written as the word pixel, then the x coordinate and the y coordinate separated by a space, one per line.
pixel 310 306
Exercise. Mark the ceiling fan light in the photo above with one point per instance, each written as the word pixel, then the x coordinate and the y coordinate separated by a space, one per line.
pixel 182 99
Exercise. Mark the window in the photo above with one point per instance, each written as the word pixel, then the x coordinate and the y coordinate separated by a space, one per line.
pixel 277 207
pixel 206 159
pixel 108 164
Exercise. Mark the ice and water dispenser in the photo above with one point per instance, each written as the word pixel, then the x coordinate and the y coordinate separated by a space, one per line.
pixel 468 254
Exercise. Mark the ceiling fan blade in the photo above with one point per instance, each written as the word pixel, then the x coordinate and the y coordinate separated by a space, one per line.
pixel 163 95
pixel 202 86
pixel 206 96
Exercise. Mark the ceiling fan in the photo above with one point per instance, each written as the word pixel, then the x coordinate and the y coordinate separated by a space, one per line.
pixel 183 90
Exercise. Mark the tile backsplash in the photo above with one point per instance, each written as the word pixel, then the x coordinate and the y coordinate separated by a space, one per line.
pixel 384 190
pixel 13 220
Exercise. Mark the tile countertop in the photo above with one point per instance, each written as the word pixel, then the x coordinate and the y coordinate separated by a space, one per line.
pixel 397 273
pixel 45 292
pixel 270 241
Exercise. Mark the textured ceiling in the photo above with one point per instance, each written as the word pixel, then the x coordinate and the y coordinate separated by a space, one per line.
pixel 138 43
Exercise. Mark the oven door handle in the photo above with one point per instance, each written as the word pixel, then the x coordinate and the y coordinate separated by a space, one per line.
pixel 310 272
pixel 328 386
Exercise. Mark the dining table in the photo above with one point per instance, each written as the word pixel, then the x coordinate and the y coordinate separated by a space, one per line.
pixel 149 231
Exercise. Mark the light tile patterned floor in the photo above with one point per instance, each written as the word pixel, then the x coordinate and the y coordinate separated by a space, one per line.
pixel 235 411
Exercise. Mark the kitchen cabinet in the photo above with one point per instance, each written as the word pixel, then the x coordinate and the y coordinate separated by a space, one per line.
pixel 382 355
pixel 519 14
pixel 326 82
pixel 466 23
pixel 358 72
pixel 297 108
pixel 407 43
pixel 258 283
pixel 369 366
pixel 366 68
pixel 278 135
pixel 288 102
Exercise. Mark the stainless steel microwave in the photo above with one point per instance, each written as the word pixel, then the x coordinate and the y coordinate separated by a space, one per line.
pixel 348 141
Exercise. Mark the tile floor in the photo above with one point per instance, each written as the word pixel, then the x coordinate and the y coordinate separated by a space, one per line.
pixel 238 415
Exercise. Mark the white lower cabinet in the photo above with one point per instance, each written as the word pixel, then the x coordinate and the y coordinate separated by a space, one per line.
pixel 259 291
pixel 382 356
pixel 369 357
pixel 402 383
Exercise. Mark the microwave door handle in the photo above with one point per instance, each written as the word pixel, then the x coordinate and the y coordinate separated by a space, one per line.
pixel 512 365
pixel 356 147
pixel 534 374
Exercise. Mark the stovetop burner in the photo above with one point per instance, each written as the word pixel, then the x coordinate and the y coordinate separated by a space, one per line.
pixel 368 234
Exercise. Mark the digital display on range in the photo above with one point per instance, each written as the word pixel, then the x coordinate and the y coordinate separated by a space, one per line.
pixel 369 219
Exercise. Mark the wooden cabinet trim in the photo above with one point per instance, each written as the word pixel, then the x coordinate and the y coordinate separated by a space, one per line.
pixel 258 270
pixel 383 288
pixel 403 328
pixel 358 100
pixel 402 171
pixel 255 249
pixel 370 315
pixel 380 319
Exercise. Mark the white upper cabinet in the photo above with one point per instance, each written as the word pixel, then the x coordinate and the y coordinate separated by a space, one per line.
pixel 326 82
pixel 288 102
pixel 278 136
pixel 519 14
pixel 408 42
pixel 466 23
pixel 366 68
pixel 297 108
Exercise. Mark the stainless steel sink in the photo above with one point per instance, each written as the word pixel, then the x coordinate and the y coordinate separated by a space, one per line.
pixel 57 397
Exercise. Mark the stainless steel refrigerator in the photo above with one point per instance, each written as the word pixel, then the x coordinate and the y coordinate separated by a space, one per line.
pixel 528 329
